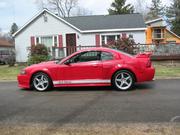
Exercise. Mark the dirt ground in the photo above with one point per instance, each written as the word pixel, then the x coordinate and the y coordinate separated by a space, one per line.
pixel 92 129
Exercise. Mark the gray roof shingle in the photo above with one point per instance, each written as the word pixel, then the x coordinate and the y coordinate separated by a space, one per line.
pixel 104 22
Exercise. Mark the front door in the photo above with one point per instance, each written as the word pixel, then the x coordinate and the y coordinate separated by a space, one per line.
pixel 70 43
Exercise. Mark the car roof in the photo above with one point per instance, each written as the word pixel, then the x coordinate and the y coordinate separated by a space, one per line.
pixel 99 49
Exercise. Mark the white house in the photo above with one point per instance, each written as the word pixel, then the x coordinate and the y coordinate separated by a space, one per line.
pixel 64 33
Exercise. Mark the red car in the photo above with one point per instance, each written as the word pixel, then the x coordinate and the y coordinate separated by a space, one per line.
pixel 90 67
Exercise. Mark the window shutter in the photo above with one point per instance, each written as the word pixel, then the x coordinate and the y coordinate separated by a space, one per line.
pixel 124 35
pixel 97 40
pixel 32 41
pixel 60 41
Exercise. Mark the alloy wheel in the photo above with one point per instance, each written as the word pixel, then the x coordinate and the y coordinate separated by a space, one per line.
pixel 41 82
pixel 123 80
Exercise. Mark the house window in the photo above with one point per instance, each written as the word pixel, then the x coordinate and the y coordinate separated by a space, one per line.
pixel 131 36
pixel 103 40
pixel 111 39
pixel 37 40
pixel 158 34
pixel 48 41
pixel 55 41
pixel 107 39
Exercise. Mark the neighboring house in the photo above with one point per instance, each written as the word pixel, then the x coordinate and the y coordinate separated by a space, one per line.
pixel 6 45
pixel 54 31
pixel 6 50
pixel 158 33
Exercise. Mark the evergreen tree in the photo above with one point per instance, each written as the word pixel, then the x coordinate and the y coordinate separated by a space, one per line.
pixel 120 7
pixel 14 28
pixel 156 10
pixel 174 13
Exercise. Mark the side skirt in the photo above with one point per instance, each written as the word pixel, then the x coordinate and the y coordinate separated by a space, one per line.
pixel 83 82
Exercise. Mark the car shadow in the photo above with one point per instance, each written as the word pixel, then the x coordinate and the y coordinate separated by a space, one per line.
pixel 92 88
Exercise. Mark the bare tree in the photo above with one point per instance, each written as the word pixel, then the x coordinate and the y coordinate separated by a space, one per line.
pixel 141 7
pixel 41 4
pixel 62 7
pixel 80 11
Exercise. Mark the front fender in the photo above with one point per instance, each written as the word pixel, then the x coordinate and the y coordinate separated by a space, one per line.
pixel 52 73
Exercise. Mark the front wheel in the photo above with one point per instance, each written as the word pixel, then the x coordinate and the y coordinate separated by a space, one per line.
pixel 41 82
pixel 123 80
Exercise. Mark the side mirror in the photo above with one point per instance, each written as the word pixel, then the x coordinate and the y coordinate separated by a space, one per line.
pixel 67 62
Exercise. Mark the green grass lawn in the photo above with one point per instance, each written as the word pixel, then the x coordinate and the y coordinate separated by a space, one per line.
pixel 167 71
pixel 162 71
pixel 9 73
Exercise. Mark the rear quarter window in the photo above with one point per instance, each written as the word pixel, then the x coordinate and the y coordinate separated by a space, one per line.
pixel 106 56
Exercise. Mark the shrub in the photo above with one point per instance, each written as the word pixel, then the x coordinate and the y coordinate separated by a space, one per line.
pixel 11 60
pixel 38 53
pixel 123 44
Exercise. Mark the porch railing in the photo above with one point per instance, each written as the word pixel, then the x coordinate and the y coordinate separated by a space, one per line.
pixel 66 51
pixel 156 50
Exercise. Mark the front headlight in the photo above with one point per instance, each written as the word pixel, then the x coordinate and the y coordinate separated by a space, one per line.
pixel 23 72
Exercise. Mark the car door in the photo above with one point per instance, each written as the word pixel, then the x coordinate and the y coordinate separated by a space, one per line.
pixel 85 67
pixel 107 59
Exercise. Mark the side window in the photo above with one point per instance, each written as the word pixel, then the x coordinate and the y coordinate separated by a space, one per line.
pixel 89 56
pixel 85 57
pixel 106 56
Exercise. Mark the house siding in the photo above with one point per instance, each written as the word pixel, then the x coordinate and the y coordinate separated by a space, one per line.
pixel 40 28
pixel 53 26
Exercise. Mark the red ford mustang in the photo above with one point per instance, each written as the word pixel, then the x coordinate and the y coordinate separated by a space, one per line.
pixel 91 67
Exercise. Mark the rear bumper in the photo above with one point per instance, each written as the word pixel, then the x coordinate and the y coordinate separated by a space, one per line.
pixel 23 81
pixel 147 75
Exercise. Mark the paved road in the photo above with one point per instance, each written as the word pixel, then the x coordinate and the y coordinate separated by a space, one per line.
pixel 157 101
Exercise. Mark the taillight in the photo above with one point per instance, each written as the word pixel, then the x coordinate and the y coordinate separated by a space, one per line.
pixel 149 63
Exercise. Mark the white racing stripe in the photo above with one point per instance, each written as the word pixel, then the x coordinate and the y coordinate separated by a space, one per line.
pixel 84 81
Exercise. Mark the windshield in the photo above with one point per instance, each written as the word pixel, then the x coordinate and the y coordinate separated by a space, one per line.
pixel 59 60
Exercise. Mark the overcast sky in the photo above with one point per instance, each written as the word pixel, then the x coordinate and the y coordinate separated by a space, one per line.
pixel 20 11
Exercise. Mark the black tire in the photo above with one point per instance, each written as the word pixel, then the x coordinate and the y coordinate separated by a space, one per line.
pixel 41 82
pixel 127 74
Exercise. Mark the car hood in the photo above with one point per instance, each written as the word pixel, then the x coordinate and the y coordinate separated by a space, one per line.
pixel 42 64
pixel 47 63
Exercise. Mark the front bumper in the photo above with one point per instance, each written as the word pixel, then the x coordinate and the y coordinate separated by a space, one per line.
pixel 23 81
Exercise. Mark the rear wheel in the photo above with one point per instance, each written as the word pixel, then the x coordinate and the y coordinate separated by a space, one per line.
pixel 123 80
pixel 41 82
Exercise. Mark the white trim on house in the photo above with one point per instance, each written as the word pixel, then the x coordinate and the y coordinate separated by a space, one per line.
pixel 44 10
pixel 173 33
pixel 114 30
pixel 158 19
pixel 81 31
pixel 155 20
